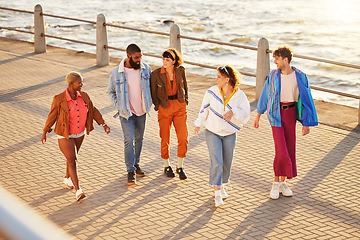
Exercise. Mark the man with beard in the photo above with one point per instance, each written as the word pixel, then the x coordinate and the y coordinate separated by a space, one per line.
pixel 129 91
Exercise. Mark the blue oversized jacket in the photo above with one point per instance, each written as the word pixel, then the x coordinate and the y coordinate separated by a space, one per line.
pixel 118 89
pixel 270 99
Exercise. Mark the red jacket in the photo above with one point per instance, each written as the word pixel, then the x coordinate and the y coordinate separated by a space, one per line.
pixel 59 113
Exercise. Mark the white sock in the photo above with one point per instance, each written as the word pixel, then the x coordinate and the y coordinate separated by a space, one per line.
pixel 217 193
pixel 180 162
pixel 166 163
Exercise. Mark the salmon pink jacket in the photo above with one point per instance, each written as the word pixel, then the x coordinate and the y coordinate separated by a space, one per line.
pixel 59 113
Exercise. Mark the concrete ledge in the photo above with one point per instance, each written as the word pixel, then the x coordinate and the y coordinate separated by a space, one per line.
pixel 325 204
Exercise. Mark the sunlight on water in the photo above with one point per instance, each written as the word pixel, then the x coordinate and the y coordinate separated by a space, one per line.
pixel 317 28
pixel 345 12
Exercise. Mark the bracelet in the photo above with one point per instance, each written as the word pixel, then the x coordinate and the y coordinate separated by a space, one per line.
pixel 103 124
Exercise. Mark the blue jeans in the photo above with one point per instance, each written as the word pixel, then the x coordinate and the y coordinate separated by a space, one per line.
pixel 221 151
pixel 133 129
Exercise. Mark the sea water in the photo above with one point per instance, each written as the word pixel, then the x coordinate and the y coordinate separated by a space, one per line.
pixel 324 29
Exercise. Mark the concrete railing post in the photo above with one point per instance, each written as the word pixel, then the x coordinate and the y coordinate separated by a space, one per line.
pixel 263 65
pixel 175 41
pixel 102 52
pixel 39 30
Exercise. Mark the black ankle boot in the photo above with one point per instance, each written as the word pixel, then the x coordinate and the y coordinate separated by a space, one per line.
pixel 138 171
pixel 169 172
pixel 182 174
pixel 131 178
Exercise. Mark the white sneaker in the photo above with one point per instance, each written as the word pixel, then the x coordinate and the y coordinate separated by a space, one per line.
pixel 79 194
pixel 218 199
pixel 68 183
pixel 274 192
pixel 223 194
pixel 285 190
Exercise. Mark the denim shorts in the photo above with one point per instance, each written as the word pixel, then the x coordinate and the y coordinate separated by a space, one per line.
pixel 73 135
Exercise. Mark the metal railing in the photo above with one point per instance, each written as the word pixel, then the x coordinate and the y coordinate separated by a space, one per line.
pixel 323 61
pixel 167 34
pixel 19 221
pixel 261 75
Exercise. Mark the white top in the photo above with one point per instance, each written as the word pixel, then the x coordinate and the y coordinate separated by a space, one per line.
pixel 135 91
pixel 289 88
pixel 213 109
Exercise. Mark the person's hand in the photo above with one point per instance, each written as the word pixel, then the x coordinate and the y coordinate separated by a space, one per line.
pixel 305 130
pixel 257 120
pixel 43 138
pixel 106 129
pixel 228 116
pixel 196 131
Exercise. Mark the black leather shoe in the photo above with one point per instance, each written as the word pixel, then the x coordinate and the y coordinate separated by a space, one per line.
pixel 182 174
pixel 169 172
pixel 131 178
pixel 138 171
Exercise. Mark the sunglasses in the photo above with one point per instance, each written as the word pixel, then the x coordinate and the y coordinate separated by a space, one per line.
pixel 224 68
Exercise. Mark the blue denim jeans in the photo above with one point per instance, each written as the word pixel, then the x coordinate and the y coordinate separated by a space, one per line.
pixel 221 151
pixel 133 129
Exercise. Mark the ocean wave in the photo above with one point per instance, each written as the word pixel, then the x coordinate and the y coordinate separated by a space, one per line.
pixel 217 50
pixel 244 21
pixel 241 39
pixel 332 67
pixel 64 26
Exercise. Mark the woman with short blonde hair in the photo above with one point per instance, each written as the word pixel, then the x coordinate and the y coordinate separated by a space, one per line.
pixel 74 113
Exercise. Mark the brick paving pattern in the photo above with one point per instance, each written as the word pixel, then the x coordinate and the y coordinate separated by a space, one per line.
pixel 325 204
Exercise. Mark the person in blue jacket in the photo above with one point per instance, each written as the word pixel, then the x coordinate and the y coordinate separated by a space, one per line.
pixel 286 97
pixel 129 91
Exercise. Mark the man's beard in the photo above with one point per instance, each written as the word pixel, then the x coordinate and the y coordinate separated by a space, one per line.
pixel 133 64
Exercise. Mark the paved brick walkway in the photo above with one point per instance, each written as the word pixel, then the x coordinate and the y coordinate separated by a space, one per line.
pixel 325 204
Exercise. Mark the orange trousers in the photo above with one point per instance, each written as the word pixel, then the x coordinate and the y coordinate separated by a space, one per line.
pixel 175 113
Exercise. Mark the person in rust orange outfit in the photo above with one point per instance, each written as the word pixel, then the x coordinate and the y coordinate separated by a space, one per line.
pixel 169 94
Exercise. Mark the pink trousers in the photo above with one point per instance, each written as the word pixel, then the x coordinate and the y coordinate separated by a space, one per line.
pixel 285 144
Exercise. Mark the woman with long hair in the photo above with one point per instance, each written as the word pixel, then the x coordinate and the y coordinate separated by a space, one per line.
pixel 224 110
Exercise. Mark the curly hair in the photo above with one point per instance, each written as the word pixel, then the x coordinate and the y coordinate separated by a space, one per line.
pixel 284 52
pixel 174 55
pixel 230 72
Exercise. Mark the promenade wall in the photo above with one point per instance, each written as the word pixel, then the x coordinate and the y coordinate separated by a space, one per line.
pixel 325 204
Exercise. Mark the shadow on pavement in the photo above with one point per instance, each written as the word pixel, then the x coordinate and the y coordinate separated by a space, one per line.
pixel 8 97
pixel 202 214
pixel 146 199
pixel 275 210
pixel 17 58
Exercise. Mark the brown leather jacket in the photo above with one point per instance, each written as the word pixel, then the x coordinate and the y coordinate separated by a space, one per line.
pixel 159 92
pixel 59 113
